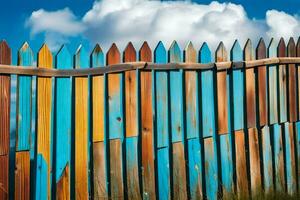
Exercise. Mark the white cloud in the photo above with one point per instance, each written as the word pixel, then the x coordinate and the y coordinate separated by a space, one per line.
pixel 121 21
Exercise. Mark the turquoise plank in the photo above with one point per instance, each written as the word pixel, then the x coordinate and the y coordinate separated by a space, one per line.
pixel 267 159
pixel 236 54
pixel 97 57
pixel 278 158
pixel 226 163
pixel 176 94
pixel 163 173
pixel 162 88
pixel 211 168
pixel 24 90
pixel 41 179
pixel 63 114
pixel 207 94
pixel 195 168
pixel 289 159
pixel 273 88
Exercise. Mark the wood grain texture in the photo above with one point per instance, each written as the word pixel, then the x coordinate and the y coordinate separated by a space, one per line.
pixel 44 110
pixel 297 135
pixel 241 165
pixel 81 127
pixel 291 83
pixel 63 125
pixel 298 85
pixel 282 78
pixel 131 99
pixel 22 175
pixel 5 58
pixel 254 159
pixel 222 92
pixel 147 98
pixel 262 84
pixel 97 60
pixel 116 169
pixel 100 169
pixel 273 85
pixel 4 162
pixel 250 86
pixel 267 159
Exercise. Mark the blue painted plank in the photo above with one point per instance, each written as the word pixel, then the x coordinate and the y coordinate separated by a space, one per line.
pixel 298 150
pixel 207 94
pixel 226 164
pixel 23 137
pixel 236 54
pixel 162 109
pixel 163 173
pixel 273 102
pixel 267 159
pixel 176 94
pixel 63 117
pixel 41 179
pixel 290 163
pixel 211 168
pixel 278 158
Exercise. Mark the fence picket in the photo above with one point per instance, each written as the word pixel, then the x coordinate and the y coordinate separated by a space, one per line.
pixel 147 129
pixel 267 159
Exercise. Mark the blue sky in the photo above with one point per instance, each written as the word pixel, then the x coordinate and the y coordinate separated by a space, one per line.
pixel 16 29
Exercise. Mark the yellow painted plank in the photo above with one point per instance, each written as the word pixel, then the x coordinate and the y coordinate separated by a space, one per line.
pixel 98 108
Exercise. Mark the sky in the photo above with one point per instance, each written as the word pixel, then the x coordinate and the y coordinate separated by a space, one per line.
pixel 89 22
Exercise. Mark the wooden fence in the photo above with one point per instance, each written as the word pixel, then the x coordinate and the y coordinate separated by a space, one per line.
pixel 173 126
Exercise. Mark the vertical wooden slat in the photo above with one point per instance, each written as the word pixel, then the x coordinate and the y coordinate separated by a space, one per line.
pixel 273 84
pixel 297 135
pixel 147 98
pixel 23 137
pixel 44 135
pixel 267 159
pixel 131 81
pixel 162 124
pixel 254 159
pixel 290 162
pixel 81 126
pixel 250 77
pixel 99 121
pixel 298 84
pixel 192 126
pixel 282 76
pixel 115 123
pixel 63 120
pixel 208 123
pixel 262 84
pixel 177 126
pixel 291 83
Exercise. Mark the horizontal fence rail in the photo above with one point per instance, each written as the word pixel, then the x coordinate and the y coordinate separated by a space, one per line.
pixel 162 124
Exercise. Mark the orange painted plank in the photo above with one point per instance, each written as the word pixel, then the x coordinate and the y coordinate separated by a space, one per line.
pixel 148 172
pixel 44 108
pixel 62 187
pixel 241 165
pixel 4 177
pixel 130 93
pixel 22 175
pixel 222 93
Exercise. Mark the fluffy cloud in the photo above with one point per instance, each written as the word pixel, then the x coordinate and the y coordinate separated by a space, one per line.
pixel 121 21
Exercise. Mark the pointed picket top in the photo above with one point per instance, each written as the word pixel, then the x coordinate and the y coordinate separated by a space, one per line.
pixel 298 47
pixel 97 57
pixel 63 58
pixel 25 55
pixel 291 48
pixel 113 55
pixel 81 57
pixel 236 52
pixel 190 53
pixel 281 51
pixel 129 54
pixel 221 53
pixel 205 54
pixel 5 53
pixel 261 51
pixel 248 51
pixel 272 49
pixel 160 53
pixel 145 53
pixel 44 58
pixel 174 53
